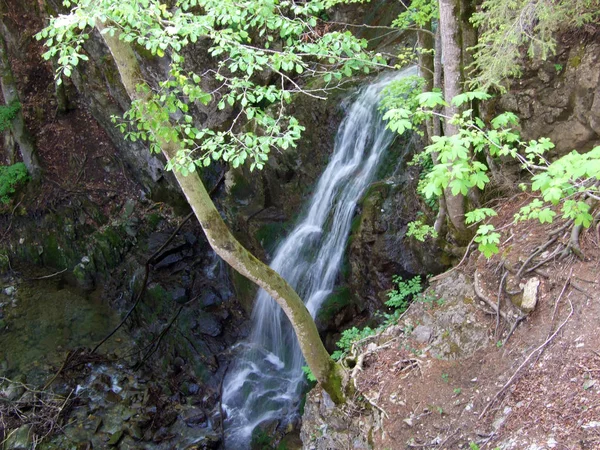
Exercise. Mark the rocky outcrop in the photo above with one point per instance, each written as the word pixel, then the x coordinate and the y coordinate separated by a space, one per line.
pixel 560 98
pixel 379 247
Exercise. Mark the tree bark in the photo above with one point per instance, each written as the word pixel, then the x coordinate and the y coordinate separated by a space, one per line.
pixel 452 52
pixel 326 371
pixel 18 128
pixel 426 67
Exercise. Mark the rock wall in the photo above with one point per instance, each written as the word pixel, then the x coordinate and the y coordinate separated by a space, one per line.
pixel 560 98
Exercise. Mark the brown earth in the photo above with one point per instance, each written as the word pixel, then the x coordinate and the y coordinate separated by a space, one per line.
pixel 504 395
pixel 76 154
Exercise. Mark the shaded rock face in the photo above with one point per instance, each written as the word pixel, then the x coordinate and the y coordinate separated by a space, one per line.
pixel 325 426
pixel 379 248
pixel 560 98
pixel 448 319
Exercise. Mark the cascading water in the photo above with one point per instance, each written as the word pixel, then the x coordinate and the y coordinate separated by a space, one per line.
pixel 266 380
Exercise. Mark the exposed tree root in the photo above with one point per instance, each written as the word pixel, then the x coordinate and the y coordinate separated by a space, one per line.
pixel 488 300
pixel 525 363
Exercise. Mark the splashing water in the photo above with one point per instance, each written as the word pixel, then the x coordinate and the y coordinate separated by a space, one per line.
pixel 266 381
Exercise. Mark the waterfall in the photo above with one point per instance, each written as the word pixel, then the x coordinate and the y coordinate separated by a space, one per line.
pixel 265 383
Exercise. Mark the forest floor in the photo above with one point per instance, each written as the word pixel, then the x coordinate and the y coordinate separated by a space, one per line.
pixel 77 155
pixel 537 389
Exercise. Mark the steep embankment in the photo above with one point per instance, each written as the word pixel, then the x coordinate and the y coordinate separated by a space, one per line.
pixel 456 373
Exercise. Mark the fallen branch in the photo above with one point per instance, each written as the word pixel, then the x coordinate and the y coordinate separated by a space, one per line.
pixel 46 276
pixel 524 363
pixel 486 299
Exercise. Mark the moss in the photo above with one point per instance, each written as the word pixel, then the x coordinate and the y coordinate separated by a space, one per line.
pixel 341 298
pixel 270 234
pixel 374 194
pixel 153 220
pixel 245 290
pixel 52 254
pixel 241 188
pixel 575 61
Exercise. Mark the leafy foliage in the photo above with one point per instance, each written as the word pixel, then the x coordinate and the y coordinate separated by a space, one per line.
pixel 508 26
pixel 349 337
pixel 10 178
pixel 399 297
pixel 7 114
pixel 419 13
pixel 566 182
pixel 247 38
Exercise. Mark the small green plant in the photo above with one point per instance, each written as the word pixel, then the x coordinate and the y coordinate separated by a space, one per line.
pixel 7 114
pixel 309 375
pixel 349 337
pixel 474 446
pixel 457 391
pixel 445 377
pixel 399 297
pixel 10 178
pixel 558 67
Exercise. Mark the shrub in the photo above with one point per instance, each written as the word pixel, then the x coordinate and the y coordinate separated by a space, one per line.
pixel 10 178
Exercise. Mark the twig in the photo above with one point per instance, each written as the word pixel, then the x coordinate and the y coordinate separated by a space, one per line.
pixel 524 363
pixel 498 304
pixel 46 276
pixel 533 255
pixel 486 299
pixel 144 283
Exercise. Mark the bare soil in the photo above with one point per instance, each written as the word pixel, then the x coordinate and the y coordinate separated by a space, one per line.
pixel 77 156
pixel 553 401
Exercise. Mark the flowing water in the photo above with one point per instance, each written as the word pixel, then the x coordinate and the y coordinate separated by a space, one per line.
pixel 265 384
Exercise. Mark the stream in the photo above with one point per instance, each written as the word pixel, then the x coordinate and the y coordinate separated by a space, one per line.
pixel 264 386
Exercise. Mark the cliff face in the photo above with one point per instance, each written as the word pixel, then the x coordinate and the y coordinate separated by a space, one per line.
pixel 560 98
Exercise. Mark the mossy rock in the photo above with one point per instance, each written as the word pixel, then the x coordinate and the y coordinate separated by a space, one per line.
pixel 270 234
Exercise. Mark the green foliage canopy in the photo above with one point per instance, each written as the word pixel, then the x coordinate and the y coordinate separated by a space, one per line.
pixel 247 38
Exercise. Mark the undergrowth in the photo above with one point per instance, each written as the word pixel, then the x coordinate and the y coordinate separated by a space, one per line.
pixel 399 298
pixel 10 178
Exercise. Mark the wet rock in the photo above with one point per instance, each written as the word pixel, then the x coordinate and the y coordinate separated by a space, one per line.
pixel 194 417
pixel 190 388
pixel 22 439
pixel 135 431
pixel 210 325
pixel 10 291
pixel 170 260
pixel 113 397
pixel 179 295
pixel 209 297
pixel 378 246
pixel 115 438
pixel 530 295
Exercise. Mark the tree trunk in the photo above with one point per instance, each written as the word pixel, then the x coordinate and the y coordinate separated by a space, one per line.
pixel 426 67
pixel 451 48
pixel 326 371
pixel 18 129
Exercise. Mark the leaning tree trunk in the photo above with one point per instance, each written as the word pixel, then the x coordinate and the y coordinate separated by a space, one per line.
pixel 440 221
pixel 426 67
pixel 326 371
pixel 451 48
pixel 18 129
